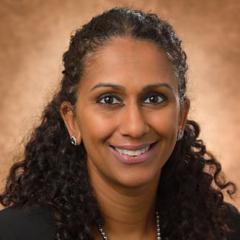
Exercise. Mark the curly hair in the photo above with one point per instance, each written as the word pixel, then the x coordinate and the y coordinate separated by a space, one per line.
pixel 53 172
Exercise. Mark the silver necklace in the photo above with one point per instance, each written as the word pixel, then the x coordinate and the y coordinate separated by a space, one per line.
pixel 104 235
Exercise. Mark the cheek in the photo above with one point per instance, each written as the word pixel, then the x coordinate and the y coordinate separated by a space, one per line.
pixel 97 125
pixel 164 121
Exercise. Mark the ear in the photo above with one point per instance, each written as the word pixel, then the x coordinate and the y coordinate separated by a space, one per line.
pixel 184 113
pixel 69 118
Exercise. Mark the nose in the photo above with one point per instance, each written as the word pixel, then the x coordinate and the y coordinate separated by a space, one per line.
pixel 133 122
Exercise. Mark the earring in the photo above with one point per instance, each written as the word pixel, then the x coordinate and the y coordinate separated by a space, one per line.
pixel 73 140
pixel 180 134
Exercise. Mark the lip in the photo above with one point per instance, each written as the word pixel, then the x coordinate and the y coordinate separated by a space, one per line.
pixel 132 147
pixel 145 157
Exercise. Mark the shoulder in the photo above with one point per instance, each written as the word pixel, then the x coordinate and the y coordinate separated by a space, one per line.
pixel 234 217
pixel 26 223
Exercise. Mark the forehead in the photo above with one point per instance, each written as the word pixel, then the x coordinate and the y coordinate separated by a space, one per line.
pixel 124 60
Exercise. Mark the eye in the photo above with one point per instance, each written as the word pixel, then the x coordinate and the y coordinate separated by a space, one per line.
pixel 155 98
pixel 109 99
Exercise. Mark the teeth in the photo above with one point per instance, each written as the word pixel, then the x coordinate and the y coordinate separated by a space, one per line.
pixel 131 152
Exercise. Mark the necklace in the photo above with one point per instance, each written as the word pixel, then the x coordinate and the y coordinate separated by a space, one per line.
pixel 104 235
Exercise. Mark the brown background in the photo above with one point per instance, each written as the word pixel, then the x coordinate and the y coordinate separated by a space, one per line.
pixel 34 35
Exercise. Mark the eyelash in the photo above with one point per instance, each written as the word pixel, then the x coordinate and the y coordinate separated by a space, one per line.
pixel 154 94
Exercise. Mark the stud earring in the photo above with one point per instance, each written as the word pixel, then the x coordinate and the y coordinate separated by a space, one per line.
pixel 73 140
pixel 180 134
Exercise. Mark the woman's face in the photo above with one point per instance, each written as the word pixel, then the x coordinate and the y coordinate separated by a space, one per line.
pixel 127 100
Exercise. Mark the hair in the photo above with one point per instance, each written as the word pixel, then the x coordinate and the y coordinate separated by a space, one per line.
pixel 53 172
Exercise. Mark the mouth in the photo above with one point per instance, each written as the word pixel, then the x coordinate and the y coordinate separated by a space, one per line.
pixel 130 156
pixel 131 151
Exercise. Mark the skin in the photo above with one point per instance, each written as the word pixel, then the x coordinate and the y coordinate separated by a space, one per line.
pixel 126 193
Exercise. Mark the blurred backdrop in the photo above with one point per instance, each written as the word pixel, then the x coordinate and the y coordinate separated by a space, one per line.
pixel 34 35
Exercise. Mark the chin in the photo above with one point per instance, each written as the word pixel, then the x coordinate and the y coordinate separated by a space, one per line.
pixel 138 180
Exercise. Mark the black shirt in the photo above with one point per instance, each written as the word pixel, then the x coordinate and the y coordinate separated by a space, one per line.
pixel 33 223
pixel 37 223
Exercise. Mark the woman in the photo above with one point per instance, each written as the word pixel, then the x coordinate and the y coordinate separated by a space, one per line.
pixel 115 155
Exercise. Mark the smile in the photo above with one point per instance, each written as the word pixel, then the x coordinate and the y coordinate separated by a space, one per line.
pixel 130 156
pixel 132 152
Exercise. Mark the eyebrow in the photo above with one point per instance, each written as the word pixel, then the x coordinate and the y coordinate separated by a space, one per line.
pixel 147 87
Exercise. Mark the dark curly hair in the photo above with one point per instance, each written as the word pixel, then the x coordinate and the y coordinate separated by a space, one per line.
pixel 53 172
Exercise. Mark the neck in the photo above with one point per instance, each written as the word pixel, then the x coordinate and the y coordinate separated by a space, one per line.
pixel 128 213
